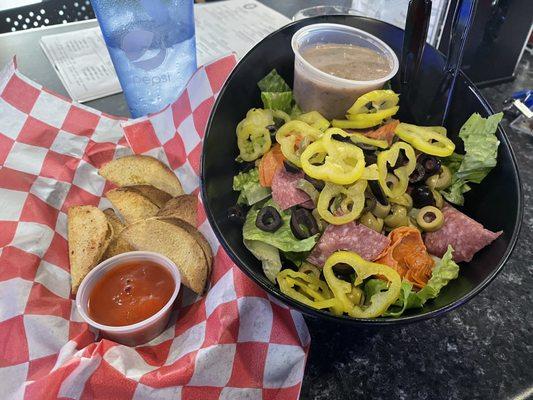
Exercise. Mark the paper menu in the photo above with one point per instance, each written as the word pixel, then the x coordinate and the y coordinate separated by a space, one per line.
pixel 85 68
pixel 82 63
pixel 236 25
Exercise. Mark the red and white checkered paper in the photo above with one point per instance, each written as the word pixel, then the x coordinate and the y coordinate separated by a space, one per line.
pixel 234 343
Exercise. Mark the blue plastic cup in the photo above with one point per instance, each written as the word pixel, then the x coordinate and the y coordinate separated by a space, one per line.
pixel 152 46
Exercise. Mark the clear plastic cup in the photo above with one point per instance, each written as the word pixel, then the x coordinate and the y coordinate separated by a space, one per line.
pixel 315 90
pixel 143 331
pixel 152 46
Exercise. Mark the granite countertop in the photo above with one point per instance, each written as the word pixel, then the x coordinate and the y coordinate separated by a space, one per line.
pixel 482 350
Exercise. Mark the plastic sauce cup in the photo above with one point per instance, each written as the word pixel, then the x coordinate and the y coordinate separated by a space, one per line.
pixel 140 332
pixel 331 96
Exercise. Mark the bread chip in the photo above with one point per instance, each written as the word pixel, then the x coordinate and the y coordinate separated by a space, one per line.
pixel 173 241
pixel 114 221
pixel 88 234
pixel 202 241
pixel 183 207
pixel 131 204
pixel 155 195
pixel 117 246
pixel 142 170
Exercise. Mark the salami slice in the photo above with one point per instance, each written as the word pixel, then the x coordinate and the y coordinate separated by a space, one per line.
pixel 465 235
pixel 284 190
pixel 364 241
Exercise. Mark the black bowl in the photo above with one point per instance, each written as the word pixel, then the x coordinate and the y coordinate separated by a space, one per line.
pixel 496 202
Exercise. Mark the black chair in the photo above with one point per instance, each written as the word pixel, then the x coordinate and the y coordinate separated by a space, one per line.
pixel 49 12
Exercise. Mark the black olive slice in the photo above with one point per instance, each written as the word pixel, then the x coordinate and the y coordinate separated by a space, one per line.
pixel 422 196
pixel 278 122
pixel 370 202
pixel 431 164
pixel 268 219
pixel 378 192
pixel 303 224
pixel 418 175
pixel 340 138
pixel 271 128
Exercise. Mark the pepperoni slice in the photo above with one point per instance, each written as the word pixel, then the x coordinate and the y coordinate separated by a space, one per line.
pixel 351 237
pixel 284 190
pixel 465 235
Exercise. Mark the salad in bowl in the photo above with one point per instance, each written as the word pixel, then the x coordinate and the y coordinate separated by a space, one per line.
pixel 357 216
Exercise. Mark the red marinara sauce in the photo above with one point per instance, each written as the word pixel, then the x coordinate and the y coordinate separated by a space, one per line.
pixel 130 293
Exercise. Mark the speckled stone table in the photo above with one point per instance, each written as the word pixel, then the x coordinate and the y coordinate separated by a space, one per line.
pixel 483 350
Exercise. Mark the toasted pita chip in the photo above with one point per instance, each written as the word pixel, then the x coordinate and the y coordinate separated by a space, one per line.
pixel 183 207
pixel 155 195
pixel 131 204
pixel 89 234
pixel 202 241
pixel 142 170
pixel 174 242
pixel 117 246
pixel 114 221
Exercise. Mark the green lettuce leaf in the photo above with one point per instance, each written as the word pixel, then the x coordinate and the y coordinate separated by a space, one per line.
pixel 295 112
pixel 283 238
pixel 481 152
pixel 408 299
pixel 268 255
pixel 373 286
pixel 277 101
pixel 248 184
pixel 454 193
pixel 275 93
pixel 481 147
pixel 445 270
pixel 273 82
pixel 296 258
pixel 453 162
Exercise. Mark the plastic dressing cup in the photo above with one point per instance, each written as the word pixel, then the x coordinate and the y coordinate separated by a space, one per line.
pixel 331 96
pixel 140 332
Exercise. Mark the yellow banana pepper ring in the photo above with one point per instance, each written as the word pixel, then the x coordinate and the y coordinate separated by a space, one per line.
pixel 429 140
pixel 307 289
pixel 375 100
pixel 293 136
pixel 389 157
pixel 379 302
pixel 371 173
pixel 315 119
pixel 369 110
pixel 253 137
pixel 348 202
pixel 358 138
pixel 343 164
